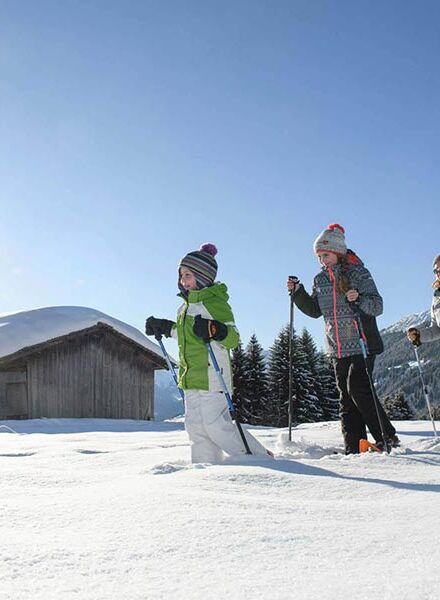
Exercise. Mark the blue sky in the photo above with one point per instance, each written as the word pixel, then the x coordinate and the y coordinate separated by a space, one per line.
pixel 131 132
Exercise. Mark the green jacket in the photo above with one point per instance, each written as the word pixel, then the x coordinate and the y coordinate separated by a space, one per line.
pixel 195 370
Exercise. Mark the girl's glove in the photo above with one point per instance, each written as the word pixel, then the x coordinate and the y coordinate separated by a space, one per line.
pixel 293 284
pixel 158 327
pixel 413 335
pixel 209 329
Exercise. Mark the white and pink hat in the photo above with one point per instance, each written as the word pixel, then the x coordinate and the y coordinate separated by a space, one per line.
pixel 331 239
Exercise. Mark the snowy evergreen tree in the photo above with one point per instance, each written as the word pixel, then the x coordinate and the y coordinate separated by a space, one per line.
pixel 309 348
pixel 239 379
pixel 324 382
pixel 328 392
pixel 398 408
pixel 253 405
pixel 277 407
pixel 307 407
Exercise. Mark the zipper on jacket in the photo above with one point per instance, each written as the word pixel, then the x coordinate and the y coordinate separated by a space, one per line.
pixel 338 342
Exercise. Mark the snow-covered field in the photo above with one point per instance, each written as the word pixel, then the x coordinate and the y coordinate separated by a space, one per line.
pixel 97 509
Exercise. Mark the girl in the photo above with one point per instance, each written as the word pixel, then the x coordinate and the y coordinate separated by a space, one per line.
pixel 205 315
pixel 344 280
pixel 429 334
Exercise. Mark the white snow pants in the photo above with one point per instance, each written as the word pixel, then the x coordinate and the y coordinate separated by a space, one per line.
pixel 211 430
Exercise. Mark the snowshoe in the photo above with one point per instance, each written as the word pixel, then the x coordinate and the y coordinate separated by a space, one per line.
pixel 366 446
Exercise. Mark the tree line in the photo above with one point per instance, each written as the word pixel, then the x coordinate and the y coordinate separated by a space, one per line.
pixel 261 382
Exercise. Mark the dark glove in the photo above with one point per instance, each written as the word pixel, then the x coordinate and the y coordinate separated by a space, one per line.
pixel 413 335
pixel 209 329
pixel 158 327
pixel 293 284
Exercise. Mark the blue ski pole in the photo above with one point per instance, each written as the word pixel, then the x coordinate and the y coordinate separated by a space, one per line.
pixel 169 365
pixel 228 397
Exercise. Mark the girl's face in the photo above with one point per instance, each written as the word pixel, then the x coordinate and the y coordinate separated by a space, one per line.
pixel 187 279
pixel 328 259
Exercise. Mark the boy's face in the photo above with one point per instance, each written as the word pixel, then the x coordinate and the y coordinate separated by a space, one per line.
pixel 187 279
pixel 328 259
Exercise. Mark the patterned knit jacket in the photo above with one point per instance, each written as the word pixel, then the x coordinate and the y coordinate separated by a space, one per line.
pixel 341 334
pixel 429 334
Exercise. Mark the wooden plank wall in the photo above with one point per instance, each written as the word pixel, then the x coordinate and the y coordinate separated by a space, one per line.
pixel 93 376
pixel 13 395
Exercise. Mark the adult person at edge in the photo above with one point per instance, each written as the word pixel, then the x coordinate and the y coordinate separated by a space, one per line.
pixel 418 335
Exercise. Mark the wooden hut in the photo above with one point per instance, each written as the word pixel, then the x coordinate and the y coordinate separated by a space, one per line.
pixel 93 371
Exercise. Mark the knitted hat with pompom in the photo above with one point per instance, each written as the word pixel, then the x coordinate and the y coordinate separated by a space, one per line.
pixel 331 239
pixel 202 263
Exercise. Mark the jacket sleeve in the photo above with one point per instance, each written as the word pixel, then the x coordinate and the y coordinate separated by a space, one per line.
pixel 232 339
pixel 370 301
pixel 308 304
pixel 221 311
pixel 429 334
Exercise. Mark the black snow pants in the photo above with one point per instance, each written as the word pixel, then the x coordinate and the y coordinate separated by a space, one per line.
pixel 356 402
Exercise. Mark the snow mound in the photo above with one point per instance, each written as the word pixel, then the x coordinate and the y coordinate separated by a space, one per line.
pixel 30 327
pixel 303 448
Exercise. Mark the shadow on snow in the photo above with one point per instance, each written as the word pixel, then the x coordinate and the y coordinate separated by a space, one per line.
pixel 60 426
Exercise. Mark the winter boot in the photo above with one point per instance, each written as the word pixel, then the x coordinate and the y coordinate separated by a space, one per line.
pixel 392 442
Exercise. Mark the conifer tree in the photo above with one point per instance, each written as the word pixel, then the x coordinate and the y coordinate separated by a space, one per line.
pixel 239 380
pixel 329 394
pixel 309 348
pixel 253 405
pixel 277 406
pixel 398 408
pixel 307 407
pixel 324 382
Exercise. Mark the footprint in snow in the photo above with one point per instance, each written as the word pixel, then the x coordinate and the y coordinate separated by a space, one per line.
pixel 92 451
pixel 167 468
pixel 17 454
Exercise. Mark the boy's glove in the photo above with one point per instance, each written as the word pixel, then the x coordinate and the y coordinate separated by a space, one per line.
pixel 413 335
pixel 158 327
pixel 209 329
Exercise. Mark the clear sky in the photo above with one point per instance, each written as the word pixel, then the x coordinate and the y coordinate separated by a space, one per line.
pixel 131 132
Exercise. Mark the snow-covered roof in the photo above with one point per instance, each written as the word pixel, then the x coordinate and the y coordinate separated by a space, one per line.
pixel 20 330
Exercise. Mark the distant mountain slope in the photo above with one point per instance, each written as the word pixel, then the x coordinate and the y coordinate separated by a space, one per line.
pixel 167 400
pixel 413 320
pixel 396 369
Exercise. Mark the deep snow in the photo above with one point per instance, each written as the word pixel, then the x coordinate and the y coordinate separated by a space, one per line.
pixel 99 509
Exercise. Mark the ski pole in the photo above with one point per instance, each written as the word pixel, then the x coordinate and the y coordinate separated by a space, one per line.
pixel 364 350
pixel 291 324
pixel 169 365
pixel 425 390
pixel 228 397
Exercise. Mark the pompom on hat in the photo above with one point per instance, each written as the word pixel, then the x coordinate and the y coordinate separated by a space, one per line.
pixel 331 239
pixel 202 263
